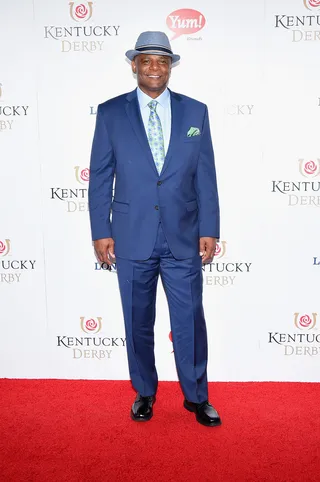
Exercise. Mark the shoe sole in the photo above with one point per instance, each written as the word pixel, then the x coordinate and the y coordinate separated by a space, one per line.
pixel 212 424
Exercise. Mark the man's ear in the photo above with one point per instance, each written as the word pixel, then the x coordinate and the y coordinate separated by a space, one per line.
pixel 133 66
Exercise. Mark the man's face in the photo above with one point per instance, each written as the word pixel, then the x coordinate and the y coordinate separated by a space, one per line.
pixel 153 72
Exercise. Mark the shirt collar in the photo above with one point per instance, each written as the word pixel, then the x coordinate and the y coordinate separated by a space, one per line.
pixel 144 99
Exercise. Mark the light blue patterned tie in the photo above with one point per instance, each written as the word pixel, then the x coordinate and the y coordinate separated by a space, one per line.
pixel 155 136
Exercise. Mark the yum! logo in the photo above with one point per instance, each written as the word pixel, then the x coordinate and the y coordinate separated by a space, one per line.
pixel 81 12
pixel 185 21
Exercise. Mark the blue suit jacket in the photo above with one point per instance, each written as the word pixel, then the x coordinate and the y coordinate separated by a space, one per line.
pixel 184 197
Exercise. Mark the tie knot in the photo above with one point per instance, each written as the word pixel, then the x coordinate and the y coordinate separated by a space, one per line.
pixel 153 105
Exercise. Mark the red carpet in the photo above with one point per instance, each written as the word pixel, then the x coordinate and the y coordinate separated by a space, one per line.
pixel 61 430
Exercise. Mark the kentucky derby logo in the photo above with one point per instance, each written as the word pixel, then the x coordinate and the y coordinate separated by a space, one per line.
pixel 220 249
pixel 82 175
pixel 309 168
pixel 90 325
pixel 305 322
pixel 185 21
pixel 81 12
pixel 4 247
pixel 312 4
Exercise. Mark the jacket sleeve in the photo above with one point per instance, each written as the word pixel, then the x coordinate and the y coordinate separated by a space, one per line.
pixel 206 186
pixel 102 167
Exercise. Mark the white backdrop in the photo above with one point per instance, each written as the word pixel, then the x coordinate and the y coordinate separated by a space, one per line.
pixel 256 65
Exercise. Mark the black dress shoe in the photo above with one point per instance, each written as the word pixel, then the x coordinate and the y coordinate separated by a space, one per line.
pixel 141 410
pixel 206 414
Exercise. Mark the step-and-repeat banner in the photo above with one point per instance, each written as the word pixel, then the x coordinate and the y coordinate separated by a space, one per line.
pixel 256 65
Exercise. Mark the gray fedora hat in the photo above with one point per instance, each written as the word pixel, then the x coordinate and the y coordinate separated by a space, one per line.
pixel 154 43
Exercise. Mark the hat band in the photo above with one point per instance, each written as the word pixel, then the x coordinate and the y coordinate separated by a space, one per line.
pixel 160 49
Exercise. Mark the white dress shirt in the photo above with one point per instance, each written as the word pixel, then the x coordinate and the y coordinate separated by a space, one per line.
pixel 163 110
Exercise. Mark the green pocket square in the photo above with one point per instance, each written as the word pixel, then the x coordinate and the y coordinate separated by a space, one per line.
pixel 193 131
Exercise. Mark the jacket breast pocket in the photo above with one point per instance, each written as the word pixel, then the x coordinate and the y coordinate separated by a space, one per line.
pixel 192 139
pixel 120 207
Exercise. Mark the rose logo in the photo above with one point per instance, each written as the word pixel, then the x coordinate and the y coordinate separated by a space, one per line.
pixel 81 12
pixel 305 322
pixel 309 168
pixel 90 325
pixel 220 249
pixel 84 175
pixel 4 247
pixel 311 4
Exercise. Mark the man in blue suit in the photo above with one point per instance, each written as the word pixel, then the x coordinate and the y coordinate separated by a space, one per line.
pixel 156 145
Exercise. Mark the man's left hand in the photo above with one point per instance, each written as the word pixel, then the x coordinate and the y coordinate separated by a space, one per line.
pixel 207 248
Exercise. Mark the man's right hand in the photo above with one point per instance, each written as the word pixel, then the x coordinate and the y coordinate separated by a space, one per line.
pixel 103 248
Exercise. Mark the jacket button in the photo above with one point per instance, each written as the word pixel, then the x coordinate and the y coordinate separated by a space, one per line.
pixel 156 207
pixel 159 183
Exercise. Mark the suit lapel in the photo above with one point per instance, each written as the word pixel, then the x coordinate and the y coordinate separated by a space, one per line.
pixel 177 112
pixel 134 114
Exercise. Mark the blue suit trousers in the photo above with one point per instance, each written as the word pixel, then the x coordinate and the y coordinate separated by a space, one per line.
pixel 182 281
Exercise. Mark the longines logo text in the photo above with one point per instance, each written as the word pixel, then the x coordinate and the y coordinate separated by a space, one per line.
pixel 10 113
pixel 304 342
pixel 302 27
pixel 302 193
pixel 75 199
pixel 223 271
pixel 91 346
pixel 105 267
pixel 88 37
pixel 11 270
